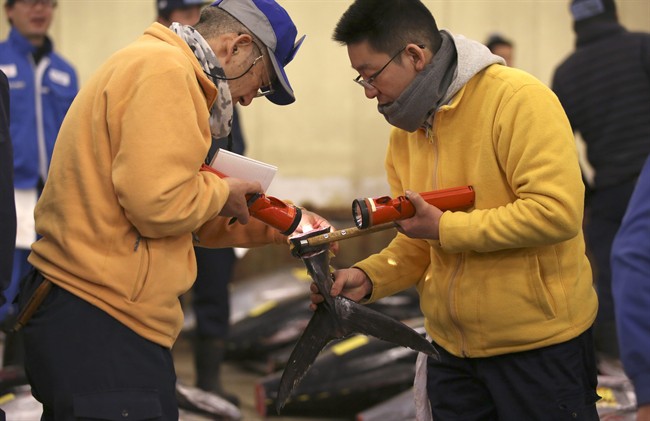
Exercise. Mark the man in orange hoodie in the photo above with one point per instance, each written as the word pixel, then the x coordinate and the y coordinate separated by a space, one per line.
pixel 126 202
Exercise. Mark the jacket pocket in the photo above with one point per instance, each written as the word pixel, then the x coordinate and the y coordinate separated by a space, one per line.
pixel 540 284
pixel 579 405
pixel 142 247
pixel 114 405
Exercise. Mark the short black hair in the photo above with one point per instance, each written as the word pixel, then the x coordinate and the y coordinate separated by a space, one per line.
pixel 497 39
pixel 388 25
pixel 165 14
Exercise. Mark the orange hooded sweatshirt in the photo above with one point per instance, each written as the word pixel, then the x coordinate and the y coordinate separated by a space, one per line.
pixel 125 196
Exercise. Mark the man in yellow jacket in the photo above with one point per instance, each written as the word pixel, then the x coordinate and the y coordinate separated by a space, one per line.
pixel 505 288
pixel 125 202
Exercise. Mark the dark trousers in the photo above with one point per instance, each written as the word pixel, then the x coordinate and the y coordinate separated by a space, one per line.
pixel 210 293
pixel 83 364
pixel 552 383
pixel 604 213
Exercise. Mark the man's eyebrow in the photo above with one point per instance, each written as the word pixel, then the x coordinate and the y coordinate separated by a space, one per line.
pixel 361 68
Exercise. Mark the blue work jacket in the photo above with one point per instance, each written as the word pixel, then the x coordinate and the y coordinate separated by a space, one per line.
pixel 40 95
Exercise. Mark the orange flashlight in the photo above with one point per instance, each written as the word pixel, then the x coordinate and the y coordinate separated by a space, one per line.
pixel 274 212
pixel 369 212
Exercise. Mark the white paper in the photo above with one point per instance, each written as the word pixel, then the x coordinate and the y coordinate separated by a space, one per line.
pixel 239 166
pixel 25 226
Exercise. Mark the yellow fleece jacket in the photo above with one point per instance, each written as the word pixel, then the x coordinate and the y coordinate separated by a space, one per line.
pixel 125 195
pixel 510 274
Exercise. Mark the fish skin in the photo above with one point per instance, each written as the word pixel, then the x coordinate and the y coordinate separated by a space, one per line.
pixel 336 318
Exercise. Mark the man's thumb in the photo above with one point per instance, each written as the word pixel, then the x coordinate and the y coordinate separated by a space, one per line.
pixel 416 199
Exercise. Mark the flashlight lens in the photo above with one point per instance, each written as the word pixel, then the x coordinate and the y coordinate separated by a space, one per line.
pixel 356 214
pixel 360 213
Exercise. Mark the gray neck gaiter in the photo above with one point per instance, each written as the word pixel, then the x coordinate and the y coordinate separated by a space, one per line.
pixel 222 110
pixel 414 106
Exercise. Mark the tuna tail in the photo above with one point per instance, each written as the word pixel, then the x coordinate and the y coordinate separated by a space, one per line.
pixel 345 319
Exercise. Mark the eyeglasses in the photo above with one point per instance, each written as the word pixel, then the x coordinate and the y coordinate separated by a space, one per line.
pixel 241 75
pixel 367 83
pixel 32 3
pixel 263 90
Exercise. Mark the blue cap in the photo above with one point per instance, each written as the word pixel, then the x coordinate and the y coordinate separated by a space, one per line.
pixel 269 22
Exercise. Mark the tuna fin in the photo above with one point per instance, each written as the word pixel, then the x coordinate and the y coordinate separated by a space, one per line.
pixel 348 318
pixel 320 331
pixel 357 318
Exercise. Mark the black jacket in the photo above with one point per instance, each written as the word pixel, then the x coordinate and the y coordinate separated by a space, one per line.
pixel 604 86
pixel 7 205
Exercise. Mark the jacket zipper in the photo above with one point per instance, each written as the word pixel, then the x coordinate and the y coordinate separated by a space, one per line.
pixel 453 314
pixel 433 141
pixel 39 72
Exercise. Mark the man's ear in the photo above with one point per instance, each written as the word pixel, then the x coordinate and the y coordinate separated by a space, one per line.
pixel 416 55
pixel 227 46
pixel 241 41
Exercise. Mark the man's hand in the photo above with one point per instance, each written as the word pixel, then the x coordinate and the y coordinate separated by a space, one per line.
pixel 425 223
pixel 643 413
pixel 236 205
pixel 352 283
pixel 311 222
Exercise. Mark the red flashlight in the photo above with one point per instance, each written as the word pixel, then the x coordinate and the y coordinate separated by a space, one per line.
pixel 375 211
pixel 274 212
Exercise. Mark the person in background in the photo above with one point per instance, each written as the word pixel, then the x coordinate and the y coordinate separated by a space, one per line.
pixel 505 287
pixel 604 87
pixel 42 85
pixel 210 296
pixel 502 47
pixel 631 291
pixel 7 206
pixel 185 12
pixel 127 200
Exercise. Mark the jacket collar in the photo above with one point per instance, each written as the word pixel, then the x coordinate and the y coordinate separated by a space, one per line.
pixel 22 44
pixel 595 30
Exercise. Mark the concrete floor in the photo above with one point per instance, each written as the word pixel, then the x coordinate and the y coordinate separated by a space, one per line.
pixel 235 379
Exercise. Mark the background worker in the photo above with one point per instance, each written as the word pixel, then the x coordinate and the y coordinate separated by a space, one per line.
pixel 502 47
pixel 604 87
pixel 42 86
pixel 505 288
pixel 210 299
pixel 127 202
pixel 210 295
pixel 185 12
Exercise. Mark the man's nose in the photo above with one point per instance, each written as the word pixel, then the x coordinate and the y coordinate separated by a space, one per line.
pixel 370 92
